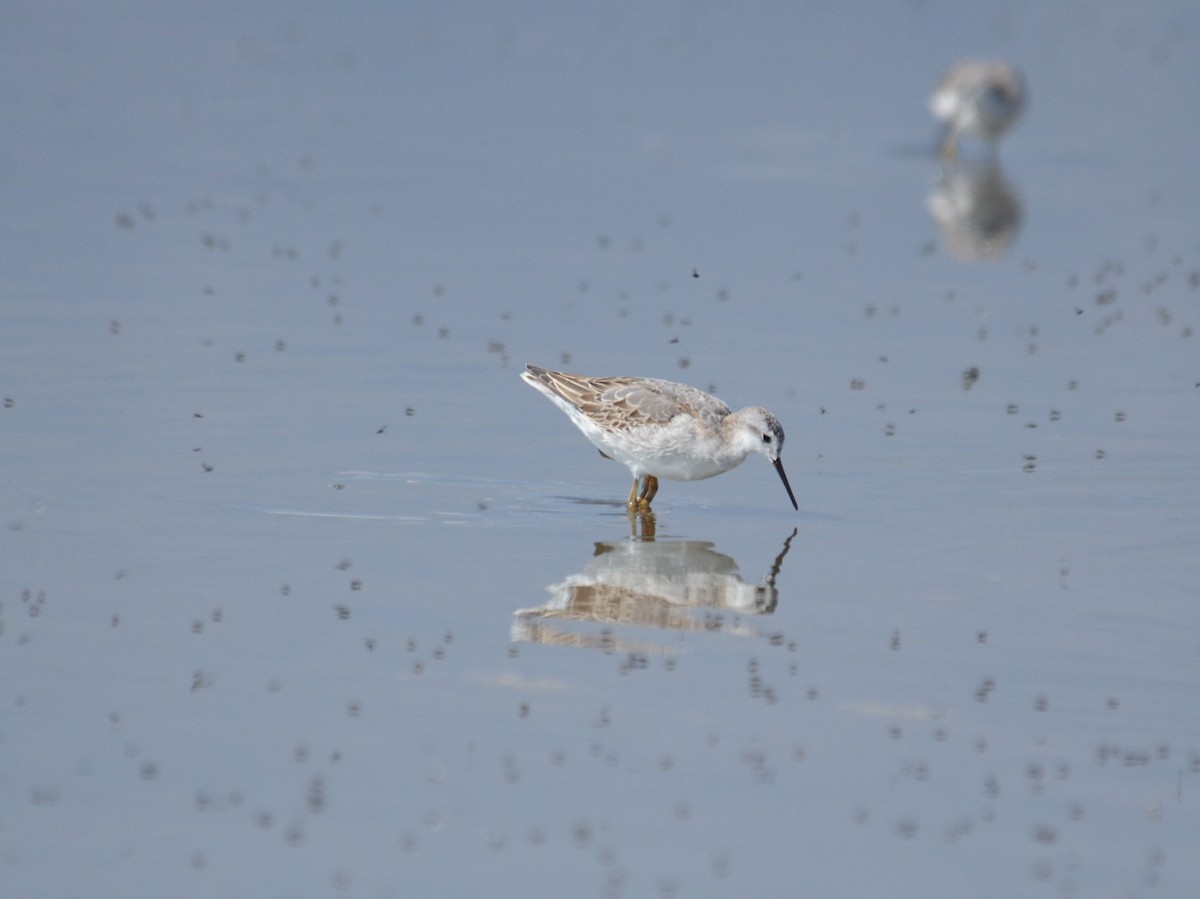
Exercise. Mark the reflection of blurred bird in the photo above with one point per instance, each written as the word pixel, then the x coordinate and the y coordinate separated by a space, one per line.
pixel 660 429
pixel 978 211
pixel 979 99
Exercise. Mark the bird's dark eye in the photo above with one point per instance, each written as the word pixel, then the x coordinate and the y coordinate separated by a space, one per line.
pixel 766 438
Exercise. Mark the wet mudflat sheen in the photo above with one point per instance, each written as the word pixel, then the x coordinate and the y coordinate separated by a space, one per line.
pixel 305 593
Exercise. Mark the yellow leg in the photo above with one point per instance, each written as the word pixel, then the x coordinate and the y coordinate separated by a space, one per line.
pixel 649 491
pixel 641 501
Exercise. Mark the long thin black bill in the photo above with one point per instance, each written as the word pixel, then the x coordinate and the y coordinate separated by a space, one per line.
pixel 783 477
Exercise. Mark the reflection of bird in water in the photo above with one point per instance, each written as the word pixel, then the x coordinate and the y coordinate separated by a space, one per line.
pixel 978 99
pixel 660 429
pixel 681 585
pixel 977 210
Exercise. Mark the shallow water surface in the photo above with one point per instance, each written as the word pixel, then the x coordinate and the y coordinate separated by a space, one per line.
pixel 305 593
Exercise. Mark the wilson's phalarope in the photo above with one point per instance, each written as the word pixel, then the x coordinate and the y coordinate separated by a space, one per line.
pixel 976 98
pixel 660 429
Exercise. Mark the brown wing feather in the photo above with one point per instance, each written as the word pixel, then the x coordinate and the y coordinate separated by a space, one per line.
pixel 620 403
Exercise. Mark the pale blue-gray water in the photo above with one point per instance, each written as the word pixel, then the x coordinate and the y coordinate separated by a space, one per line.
pixel 304 593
